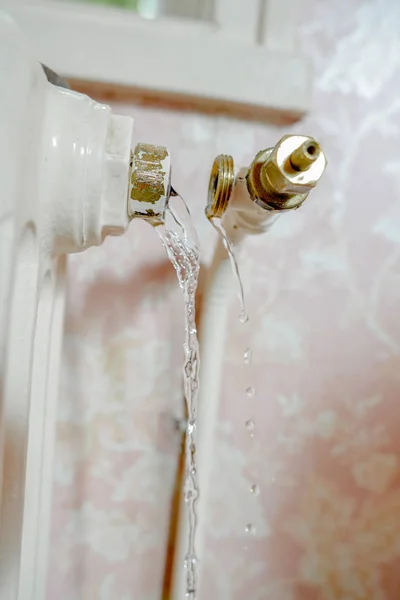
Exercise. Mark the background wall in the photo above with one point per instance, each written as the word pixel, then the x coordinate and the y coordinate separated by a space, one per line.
pixel 323 294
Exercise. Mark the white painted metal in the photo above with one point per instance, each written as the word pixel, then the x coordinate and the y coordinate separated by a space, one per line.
pixel 64 168
pixel 105 45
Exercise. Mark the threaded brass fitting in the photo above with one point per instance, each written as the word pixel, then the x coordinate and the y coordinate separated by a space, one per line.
pixel 281 178
pixel 220 188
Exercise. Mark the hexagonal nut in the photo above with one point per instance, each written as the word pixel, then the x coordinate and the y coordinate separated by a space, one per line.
pixel 150 183
pixel 278 172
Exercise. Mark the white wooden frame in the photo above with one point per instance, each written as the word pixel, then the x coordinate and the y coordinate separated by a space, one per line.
pixel 246 62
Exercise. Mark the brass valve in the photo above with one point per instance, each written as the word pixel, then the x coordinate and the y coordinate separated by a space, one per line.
pixel 279 178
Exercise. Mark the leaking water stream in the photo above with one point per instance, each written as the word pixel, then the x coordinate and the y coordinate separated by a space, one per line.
pixel 180 241
pixel 217 224
pixel 179 238
pixel 250 390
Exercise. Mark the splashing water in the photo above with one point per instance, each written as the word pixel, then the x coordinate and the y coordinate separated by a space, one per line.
pixel 180 241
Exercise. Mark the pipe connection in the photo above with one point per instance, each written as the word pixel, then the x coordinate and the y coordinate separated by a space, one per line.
pixel 150 183
pixel 278 179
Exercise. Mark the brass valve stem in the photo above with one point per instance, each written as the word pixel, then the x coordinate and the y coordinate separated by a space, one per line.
pixel 302 158
pixel 280 178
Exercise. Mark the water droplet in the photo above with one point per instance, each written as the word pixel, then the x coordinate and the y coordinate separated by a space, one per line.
pixel 250 529
pixel 254 489
pixel 193 471
pixel 250 391
pixel 190 561
pixel 247 356
pixel 243 317
pixel 188 496
pixel 250 426
pixel 188 370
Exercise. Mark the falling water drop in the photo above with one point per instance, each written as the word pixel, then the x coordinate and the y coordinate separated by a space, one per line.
pixel 250 426
pixel 243 316
pixel 250 391
pixel 254 489
pixel 250 529
pixel 247 356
